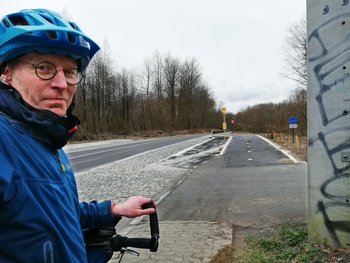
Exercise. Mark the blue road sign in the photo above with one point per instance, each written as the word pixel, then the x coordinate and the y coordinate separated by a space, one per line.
pixel 292 120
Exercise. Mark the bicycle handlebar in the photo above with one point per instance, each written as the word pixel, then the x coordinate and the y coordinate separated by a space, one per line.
pixel 108 241
pixel 119 242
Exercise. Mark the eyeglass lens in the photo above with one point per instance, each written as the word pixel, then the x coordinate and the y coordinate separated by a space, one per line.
pixel 46 71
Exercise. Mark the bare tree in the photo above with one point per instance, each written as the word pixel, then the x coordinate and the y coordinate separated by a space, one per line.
pixel 144 79
pixel 145 76
pixel 157 73
pixel 190 82
pixel 171 75
pixel 295 53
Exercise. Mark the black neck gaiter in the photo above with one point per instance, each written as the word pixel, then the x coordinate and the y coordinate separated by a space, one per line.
pixel 57 129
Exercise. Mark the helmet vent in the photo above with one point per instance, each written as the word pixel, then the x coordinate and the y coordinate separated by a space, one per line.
pixel 51 34
pixel 18 20
pixel 5 23
pixel 73 25
pixel 71 38
pixel 47 19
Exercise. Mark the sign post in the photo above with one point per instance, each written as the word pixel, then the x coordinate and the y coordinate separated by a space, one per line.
pixel 293 125
pixel 224 123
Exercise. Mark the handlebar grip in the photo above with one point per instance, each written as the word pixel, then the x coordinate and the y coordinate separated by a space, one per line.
pixel 137 242
pixel 118 242
pixel 153 220
pixel 148 205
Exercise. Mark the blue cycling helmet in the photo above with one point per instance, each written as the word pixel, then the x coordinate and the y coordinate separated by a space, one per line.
pixel 44 31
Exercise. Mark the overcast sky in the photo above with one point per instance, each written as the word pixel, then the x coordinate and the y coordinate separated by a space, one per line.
pixel 238 44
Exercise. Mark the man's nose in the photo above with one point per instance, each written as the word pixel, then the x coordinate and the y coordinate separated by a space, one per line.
pixel 59 80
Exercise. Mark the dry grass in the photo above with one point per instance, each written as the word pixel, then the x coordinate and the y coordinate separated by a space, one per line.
pixel 297 149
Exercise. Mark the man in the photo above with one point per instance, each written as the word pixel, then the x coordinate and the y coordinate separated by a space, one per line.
pixel 42 58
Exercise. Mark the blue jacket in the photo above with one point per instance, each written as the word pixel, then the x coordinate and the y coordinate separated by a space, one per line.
pixel 41 219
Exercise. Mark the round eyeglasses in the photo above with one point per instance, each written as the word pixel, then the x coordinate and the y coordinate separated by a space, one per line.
pixel 47 70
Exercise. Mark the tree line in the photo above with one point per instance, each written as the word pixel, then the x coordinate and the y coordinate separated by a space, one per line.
pixel 269 117
pixel 170 94
pixel 167 93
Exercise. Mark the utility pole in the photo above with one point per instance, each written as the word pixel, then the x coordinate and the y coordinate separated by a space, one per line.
pixel 328 50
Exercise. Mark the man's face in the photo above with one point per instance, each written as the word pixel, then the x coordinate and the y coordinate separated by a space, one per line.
pixel 55 94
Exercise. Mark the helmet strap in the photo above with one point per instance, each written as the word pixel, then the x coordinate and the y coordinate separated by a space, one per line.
pixel 2 67
pixel 71 107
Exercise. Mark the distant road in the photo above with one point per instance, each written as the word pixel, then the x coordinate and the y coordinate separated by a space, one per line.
pixel 86 158
pixel 251 184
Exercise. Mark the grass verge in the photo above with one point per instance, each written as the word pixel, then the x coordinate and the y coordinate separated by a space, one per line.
pixel 287 244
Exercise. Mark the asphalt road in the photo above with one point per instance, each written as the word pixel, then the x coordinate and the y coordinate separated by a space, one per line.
pixel 251 184
pixel 88 158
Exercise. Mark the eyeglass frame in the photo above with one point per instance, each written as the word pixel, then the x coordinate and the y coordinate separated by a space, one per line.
pixel 35 66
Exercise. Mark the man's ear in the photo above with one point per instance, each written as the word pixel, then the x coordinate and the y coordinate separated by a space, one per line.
pixel 6 75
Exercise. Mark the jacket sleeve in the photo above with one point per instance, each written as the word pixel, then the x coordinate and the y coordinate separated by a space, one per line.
pixel 96 214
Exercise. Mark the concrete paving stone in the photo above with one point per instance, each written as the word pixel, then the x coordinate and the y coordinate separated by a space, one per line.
pixel 190 241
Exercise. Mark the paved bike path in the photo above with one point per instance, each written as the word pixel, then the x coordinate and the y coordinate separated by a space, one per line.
pixel 219 202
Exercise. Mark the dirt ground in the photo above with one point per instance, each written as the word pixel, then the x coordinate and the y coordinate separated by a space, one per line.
pixel 296 147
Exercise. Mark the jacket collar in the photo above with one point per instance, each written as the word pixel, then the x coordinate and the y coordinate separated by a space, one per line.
pixel 57 129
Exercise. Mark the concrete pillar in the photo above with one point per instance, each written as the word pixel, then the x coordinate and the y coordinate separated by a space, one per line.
pixel 328 48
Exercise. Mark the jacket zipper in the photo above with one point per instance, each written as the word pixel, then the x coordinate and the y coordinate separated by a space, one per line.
pixel 61 164
pixel 48 252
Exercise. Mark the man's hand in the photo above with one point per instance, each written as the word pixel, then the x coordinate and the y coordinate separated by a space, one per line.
pixel 132 207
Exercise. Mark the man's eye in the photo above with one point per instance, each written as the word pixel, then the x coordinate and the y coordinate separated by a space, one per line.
pixel 47 68
pixel 71 72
